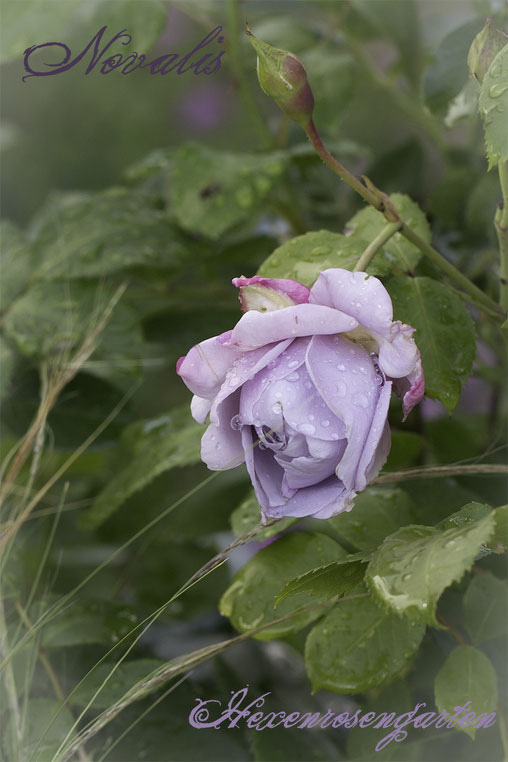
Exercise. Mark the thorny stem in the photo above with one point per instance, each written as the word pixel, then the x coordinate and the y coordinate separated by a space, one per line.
pixel 501 225
pixel 381 202
pixel 379 241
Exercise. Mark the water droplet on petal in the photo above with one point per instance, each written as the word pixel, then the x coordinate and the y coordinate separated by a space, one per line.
pixel 341 389
pixel 236 422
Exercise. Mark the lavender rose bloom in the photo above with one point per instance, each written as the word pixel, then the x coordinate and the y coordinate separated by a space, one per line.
pixel 299 389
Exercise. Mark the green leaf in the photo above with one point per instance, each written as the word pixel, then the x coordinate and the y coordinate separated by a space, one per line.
pixel 466 675
pixel 358 646
pixel 493 105
pixel 413 567
pixel 52 318
pixel 466 515
pixel 149 449
pixel 325 582
pixel 249 601
pixel 92 235
pixel 398 252
pixel 445 334
pixel 89 621
pixel 124 677
pixel 16 263
pixel 248 515
pixel 377 512
pixel 485 608
pixel 446 77
pixel 213 191
pixel 303 257
pixel 500 537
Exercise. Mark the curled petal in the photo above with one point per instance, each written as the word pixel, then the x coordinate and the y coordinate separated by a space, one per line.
pixel 398 355
pixel 221 445
pixel 204 367
pixel 266 475
pixel 377 444
pixel 255 329
pixel 411 388
pixel 264 294
pixel 200 407
pixel 357 294
pixel 245 368
pixel 320 501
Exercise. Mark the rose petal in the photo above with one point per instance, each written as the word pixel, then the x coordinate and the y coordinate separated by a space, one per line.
pixel 200 407
pixel 265 474
pixel 306 471
pixel 320 501
pixel 284 392
pixel 221 445
pixel 242 370
pixel 284 365
pixel 357 294
pixel 291 291
pixel 344 376
pixel 205 365
pixel 411 388
pixel 398 355
pixel 256 329
pixel 377 444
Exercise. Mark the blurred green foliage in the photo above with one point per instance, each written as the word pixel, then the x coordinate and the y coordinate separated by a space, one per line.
pixel 166 188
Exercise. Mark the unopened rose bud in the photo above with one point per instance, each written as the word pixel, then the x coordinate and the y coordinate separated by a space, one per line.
pixel 486 45
pixel 282 76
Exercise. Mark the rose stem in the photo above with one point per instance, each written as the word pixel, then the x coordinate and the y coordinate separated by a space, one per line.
pixel 432 472
pixel 383 236
pixel 381 202
pixel 501 225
